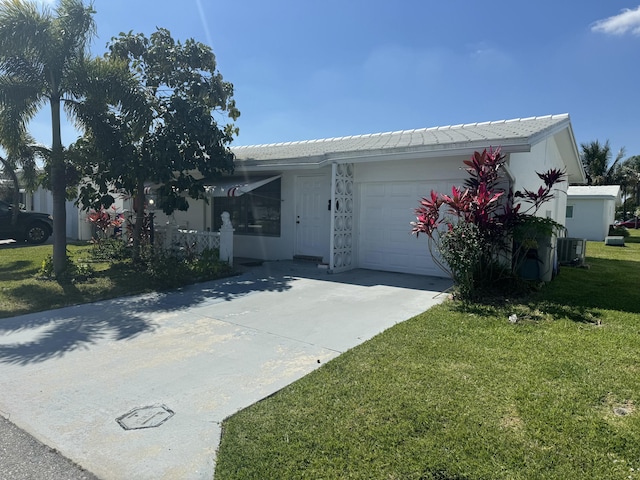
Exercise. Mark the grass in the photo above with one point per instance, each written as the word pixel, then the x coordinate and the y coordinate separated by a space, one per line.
pixel 22 292
pixel 460 392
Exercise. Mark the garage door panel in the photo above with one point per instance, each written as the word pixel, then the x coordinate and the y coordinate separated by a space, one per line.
pixel 385 242
pixel 376 190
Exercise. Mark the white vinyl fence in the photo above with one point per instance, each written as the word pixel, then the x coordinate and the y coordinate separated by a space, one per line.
pixel 170 237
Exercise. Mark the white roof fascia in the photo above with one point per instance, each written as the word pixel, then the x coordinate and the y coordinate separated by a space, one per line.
pixel 378 156
pixel 574 147
pixel 552 130
pixel 613 192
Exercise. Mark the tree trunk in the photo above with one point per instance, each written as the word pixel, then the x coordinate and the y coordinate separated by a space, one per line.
pixel 58 190
pixel 138 207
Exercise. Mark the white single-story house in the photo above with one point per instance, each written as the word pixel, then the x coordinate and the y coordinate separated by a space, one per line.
pixel 591 209
pixel 348 202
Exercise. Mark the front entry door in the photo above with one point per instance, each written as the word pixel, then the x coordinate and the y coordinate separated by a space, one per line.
pixel 313 216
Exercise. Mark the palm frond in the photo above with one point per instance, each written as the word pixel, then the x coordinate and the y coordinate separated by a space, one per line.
pixel 24 29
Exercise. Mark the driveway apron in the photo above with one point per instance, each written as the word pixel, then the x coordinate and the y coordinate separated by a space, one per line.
pixel 138 387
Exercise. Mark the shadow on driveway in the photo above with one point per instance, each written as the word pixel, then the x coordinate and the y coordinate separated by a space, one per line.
pixel 41 336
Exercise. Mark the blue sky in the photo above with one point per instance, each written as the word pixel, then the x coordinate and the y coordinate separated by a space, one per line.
pixel 309 69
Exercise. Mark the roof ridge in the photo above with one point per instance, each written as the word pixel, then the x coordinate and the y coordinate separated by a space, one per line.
pixel 401 132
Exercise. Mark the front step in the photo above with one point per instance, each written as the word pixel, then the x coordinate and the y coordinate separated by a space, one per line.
pixel 311 259
pixel 308 258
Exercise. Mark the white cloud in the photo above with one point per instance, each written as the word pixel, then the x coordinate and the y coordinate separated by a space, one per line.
pixel 626 21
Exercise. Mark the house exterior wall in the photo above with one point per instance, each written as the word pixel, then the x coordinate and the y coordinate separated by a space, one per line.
pixel 440 172
pixel 418 176
pixel 282 247
pixel 591 218
pixel 41 200
pixel 386 197
pixel 195 218
pixel 525 166
pixel 428 169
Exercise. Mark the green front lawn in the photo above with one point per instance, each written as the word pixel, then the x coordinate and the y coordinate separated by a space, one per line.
pixel 460 392
pixel 21 291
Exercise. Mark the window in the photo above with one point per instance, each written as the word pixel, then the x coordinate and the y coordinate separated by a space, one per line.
pixel 569 213
pixel 254 213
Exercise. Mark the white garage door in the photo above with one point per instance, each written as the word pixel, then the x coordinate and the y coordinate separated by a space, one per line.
pixel 385 240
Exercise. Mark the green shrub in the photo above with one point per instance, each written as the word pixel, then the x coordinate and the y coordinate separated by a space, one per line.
pixel 168 269
pixel 208 265
pixel 618 231
pixel 110 250
pixel 165 269
pixel 74 271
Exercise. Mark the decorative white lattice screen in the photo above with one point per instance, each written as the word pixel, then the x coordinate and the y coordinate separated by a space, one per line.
pixel 342 219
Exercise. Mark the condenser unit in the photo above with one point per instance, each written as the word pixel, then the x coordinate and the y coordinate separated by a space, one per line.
pixel 571 251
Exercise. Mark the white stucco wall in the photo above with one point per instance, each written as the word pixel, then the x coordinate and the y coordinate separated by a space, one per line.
pixel 427 170
pixel 543 156
pixel 591 218
pixel 525 166
pixel 446 171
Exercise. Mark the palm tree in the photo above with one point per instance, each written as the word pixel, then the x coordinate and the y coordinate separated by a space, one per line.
pixel 629 175
pixel 596 160
pixel 39 50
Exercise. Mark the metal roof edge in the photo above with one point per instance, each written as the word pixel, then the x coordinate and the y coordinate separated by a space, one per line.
pixel 381 155
pixel 552 129
pixel 564 116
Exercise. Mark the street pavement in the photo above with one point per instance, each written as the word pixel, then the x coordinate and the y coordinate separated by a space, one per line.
pixel 138 387
pixel 22 457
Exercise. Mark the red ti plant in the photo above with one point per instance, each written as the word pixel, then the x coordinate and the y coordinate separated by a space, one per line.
pixel 107 222
pixel 474 225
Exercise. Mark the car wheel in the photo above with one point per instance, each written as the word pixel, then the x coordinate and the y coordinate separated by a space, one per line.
pixel 37 233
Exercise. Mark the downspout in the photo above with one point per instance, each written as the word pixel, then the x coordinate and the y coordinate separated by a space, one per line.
pixel 507 170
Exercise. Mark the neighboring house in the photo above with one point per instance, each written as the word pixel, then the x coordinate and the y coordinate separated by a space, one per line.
pixel 348 202
pixel 590 210
pixel 41 200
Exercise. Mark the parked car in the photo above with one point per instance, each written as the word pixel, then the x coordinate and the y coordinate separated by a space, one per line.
pixel 32 227
pixel 633 223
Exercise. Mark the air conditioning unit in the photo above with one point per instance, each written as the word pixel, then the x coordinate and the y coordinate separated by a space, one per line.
pixel 571 251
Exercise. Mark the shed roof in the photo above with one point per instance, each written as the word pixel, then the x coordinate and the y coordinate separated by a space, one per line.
pixel 595 191
pixel 515 135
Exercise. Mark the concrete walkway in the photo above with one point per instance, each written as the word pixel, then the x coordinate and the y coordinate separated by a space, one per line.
pixel 138 387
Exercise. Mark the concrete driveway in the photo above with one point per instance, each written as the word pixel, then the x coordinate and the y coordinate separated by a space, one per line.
pixel 138 387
